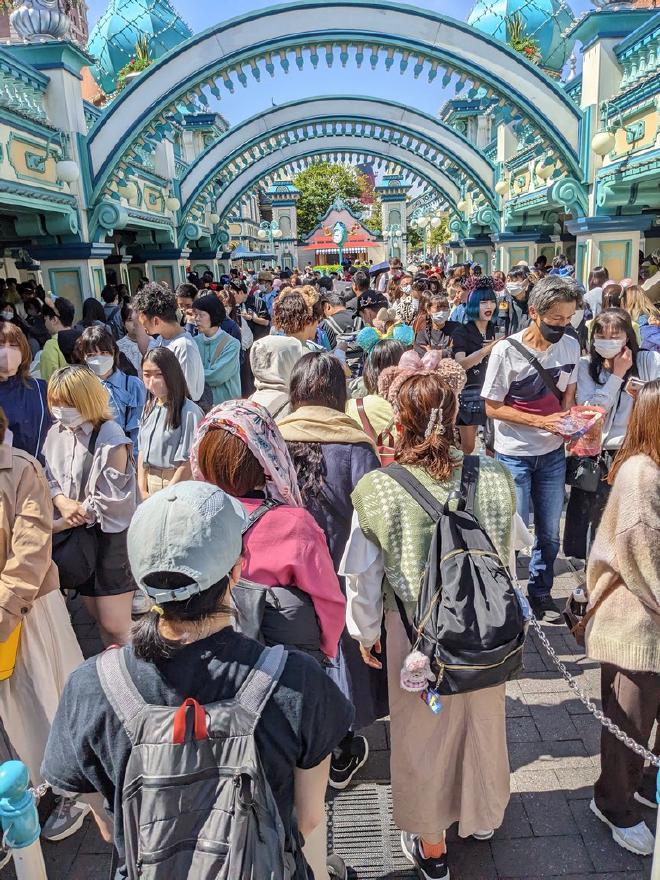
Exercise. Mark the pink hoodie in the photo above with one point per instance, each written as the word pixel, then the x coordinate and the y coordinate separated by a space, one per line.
pixel 287 548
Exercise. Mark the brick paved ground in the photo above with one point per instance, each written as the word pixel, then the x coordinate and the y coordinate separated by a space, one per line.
pixel 548 832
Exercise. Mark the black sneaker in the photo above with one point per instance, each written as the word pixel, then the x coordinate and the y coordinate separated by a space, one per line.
pixel 545 609
pixel 343 769
pixel 428 869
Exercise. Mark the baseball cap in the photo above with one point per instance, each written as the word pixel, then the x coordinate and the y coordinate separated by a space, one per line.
pixel 190 528
pixel 370 299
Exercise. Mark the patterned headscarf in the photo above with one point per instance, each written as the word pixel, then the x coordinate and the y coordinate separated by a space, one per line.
pixel 254 425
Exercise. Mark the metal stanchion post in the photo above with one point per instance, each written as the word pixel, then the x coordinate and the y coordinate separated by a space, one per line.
pixel 20 821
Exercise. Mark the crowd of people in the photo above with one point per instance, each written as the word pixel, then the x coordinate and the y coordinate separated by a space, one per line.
pixel 209 469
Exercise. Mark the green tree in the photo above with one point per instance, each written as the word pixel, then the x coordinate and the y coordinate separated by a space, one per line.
pixel 414 239
pixel 320 185
pixel 440 235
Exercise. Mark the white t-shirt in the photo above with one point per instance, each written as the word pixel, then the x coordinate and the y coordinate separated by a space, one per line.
pixel 185 349
pixel 512 380
pixel 595 300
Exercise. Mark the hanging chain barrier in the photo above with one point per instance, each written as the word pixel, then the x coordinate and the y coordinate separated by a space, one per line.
pixel 608 724
pixel 39 791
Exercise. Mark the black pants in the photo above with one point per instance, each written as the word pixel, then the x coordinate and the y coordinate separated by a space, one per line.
pixel 632 701
pixel 583 516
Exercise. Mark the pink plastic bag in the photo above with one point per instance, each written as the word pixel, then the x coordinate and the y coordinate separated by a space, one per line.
pixel 583 429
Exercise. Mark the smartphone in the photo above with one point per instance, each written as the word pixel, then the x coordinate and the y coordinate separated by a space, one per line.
pixel 634 385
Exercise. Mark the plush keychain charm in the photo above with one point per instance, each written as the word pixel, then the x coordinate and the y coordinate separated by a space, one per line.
pixel 416 672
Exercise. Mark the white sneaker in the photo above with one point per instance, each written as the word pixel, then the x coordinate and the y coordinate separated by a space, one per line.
pixel 638 839
pixel 483 835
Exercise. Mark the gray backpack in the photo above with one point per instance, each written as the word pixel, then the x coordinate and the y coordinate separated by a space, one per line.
pixel 196 801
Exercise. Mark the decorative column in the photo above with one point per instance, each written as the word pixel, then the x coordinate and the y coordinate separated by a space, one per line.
pixel 284 198
pixel 393 193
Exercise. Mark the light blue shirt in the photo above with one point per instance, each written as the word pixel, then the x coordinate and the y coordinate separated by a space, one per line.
pixel 127 398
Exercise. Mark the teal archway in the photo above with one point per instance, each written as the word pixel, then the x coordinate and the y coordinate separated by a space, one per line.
pixel 449 157
pixel 302 32
pixel 251 175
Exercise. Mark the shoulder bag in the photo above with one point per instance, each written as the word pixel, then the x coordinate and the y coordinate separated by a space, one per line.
pixel 384 441
pixel 546 375
pixel 75 549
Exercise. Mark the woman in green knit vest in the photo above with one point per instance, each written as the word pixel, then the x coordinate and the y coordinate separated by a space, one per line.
pixel 452 766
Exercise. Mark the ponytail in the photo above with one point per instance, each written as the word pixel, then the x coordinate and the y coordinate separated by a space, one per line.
pixel 148 642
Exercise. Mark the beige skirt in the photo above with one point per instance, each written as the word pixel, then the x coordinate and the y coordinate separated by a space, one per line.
pixel 450 767
pixel 47 654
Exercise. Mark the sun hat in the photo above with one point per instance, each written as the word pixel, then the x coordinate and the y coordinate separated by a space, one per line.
pixel 189 528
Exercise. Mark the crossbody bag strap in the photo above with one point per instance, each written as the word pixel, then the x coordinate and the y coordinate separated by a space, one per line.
pixel 262 510
pixel 547 377
pixel 364 418
pixel 89 459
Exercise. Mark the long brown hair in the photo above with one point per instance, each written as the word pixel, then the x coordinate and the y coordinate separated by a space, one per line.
pixel 643 434
pixel 418 398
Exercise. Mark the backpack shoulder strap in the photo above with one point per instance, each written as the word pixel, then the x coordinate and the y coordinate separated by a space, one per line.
pixel 262 510
pixel 548 380
pixel 418 491
pixel 364 418
pixel 119 688
pixel 257 688
pixel 469 478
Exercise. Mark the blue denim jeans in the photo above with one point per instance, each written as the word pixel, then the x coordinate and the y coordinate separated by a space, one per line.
pixel 541 478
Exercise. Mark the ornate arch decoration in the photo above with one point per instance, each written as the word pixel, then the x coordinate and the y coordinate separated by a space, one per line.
pixel 248 177
pixel 305 31
pixel 450 156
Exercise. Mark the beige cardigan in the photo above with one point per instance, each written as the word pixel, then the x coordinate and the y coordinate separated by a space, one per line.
pixel 625 629
pixel 27 570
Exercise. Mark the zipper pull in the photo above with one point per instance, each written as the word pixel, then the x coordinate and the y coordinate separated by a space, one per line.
pixel 138 867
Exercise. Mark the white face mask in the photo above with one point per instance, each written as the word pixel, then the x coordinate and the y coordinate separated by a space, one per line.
pixel 67 416
pixel 440 316
pixel 514 288
pixel 608 348
pixel 406 288
pixel 10 360
pixel 100 364
pixel 576 320
pixel 7 315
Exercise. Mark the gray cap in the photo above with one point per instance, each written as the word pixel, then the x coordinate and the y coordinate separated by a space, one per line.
pixel 191 528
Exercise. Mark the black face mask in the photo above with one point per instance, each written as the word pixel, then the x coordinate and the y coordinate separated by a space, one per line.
pixel 550 333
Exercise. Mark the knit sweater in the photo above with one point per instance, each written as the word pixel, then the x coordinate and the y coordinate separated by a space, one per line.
pixel 391 518
pixel 625 630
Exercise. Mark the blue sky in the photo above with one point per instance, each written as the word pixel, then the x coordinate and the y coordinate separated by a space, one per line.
pixel 201 14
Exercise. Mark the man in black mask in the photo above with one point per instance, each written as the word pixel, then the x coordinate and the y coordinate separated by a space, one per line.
pixel 529 387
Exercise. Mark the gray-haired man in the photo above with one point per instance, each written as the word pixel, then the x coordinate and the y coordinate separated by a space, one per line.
pixel 530 384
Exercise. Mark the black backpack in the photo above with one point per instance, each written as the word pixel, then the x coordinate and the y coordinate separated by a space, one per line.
pixel 468 620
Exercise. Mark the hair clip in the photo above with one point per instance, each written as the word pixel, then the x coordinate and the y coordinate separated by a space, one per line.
pixel 435 423
pixel 156 609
